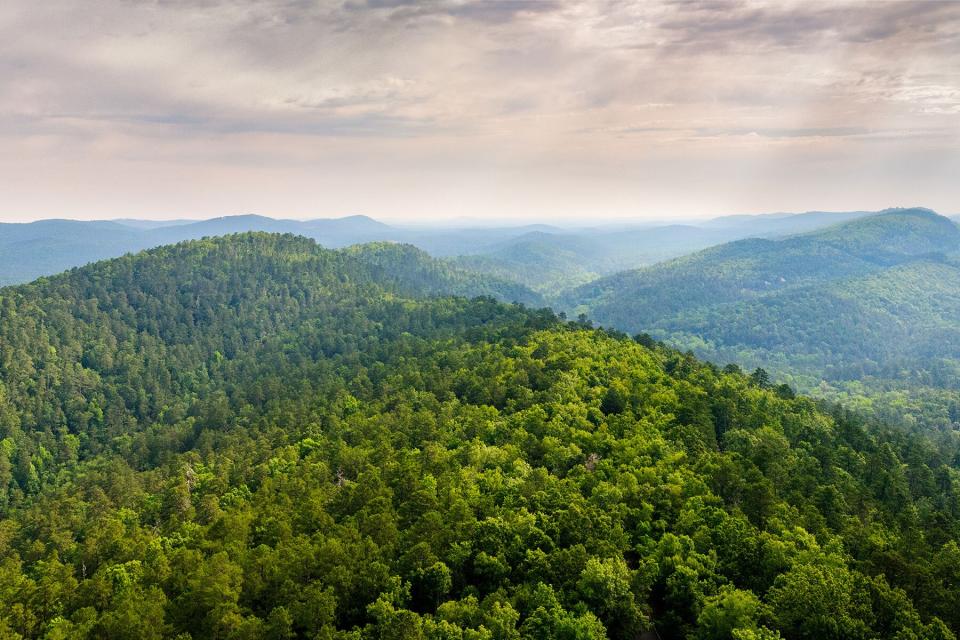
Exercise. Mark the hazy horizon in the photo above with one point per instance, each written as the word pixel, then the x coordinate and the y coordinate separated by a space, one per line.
pixel 572 222
pixel 529 109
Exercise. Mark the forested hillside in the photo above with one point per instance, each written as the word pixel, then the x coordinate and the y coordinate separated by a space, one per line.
pixel 254 437
pixel 866 311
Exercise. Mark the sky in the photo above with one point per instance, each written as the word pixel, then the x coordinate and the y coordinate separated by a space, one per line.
pixel 440 109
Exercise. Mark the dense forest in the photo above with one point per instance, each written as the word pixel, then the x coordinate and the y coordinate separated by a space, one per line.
pixel 255 437
pixel 864 312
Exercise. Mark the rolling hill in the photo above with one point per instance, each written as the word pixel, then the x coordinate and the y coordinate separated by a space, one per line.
pixel 255 437
pixel 868 302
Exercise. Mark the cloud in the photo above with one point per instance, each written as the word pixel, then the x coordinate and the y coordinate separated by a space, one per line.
pixel 737 23
pixel 489 11
pixel 478 89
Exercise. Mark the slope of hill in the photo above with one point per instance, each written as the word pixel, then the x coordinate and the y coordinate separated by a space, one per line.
pixel 254 437
pixel 398 265
pixel 894 235
pixel 866 301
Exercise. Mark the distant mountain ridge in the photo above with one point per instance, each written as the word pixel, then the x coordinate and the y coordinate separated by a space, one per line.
pixel 540 256
pixel 789 223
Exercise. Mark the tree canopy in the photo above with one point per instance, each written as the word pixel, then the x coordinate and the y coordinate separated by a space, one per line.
pixel 254 437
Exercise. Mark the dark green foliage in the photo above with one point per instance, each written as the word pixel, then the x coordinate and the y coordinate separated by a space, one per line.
pixel 614 400
pixel 646 340
pixel 253 437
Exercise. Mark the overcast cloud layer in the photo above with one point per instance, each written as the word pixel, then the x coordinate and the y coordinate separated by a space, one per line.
pixel 533 108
